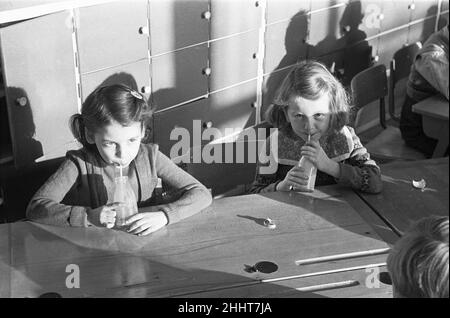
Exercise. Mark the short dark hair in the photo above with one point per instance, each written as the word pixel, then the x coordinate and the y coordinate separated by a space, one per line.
pixel 107 104
pixel 310 80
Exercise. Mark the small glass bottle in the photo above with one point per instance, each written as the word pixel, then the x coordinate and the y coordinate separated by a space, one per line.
pixel 310 170
pixel 124 194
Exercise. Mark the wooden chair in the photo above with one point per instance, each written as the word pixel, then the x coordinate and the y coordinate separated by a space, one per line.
pixel 368 87
pixel 399 69
pixel 18 185
pixel 233 176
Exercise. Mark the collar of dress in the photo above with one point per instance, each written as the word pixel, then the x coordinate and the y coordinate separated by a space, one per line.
pixel 338 146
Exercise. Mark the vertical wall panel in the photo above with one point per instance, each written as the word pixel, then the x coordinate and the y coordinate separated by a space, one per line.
pixel 444 16
pixel 182 117
pixel 108 34
pixel 443 20
pixel 175 24
pixel 424 8
pixel 177 77
pixel 233 60
pixel 421 31
pixel 324 31
pixel 39 70
pixel 232 108
pixel 285 43
pixel 396 13
pixel 135 75
pixel 230 17
pixel 325 36
pixel 391 43
pixel 280 10
pixel 323 4
pixel 426 11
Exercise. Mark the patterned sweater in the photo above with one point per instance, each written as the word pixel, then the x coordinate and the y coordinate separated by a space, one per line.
pixel 84 181
pixel 357 170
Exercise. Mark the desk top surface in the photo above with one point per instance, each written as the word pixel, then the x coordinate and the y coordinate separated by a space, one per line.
pixel 400 203
pixel 435 106
pixel 203 254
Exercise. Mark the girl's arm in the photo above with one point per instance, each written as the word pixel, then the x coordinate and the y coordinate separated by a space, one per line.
pixel 46 207
pixel 264 182
pixel 266 178
pixel 193 196
pixel 359 171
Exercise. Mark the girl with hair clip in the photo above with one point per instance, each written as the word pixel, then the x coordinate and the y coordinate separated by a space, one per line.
pixel 310 112
pixel 111 128
pixel 418 262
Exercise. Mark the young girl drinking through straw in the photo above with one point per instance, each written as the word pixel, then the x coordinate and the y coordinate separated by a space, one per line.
pixel 310 111
pixel 111 126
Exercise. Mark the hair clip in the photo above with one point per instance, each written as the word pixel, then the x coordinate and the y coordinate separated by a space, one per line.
pixel 136 94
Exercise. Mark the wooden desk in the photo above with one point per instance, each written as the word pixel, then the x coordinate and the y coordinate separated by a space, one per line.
pixel 434 111
pixel 400 203
pixel 205 255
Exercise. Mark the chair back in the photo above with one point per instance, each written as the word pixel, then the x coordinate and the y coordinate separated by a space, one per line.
pixel 18 185
pixel 402 61
pixel 400 67
pixel 368 86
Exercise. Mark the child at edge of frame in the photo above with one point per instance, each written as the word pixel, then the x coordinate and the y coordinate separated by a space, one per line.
pixel 418 262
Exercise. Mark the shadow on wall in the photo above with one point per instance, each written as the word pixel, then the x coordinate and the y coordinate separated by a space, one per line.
pixel 19 183
pixel 429 24
pixel 178 71
pixel 5 136
pixel 28 148
pixel 296 50
pixel 229 108
pixel 328 50
pixel 345 56
pixel 357 53
pixel 350 53
pixel 443 21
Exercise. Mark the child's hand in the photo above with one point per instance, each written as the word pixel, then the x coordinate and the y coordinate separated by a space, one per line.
pixel 104 215
pixel 146 222
pixel 313 151
pixel 296 179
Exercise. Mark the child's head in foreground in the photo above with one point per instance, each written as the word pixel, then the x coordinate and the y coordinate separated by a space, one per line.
pixel 113 119
pixel 418 263
pixel 310 101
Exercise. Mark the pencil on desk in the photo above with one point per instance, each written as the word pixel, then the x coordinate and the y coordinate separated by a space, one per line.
pixel 332 271
pixel 346 283
pixel 342 256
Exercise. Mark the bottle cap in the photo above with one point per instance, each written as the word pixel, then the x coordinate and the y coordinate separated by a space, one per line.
pixel 269 223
